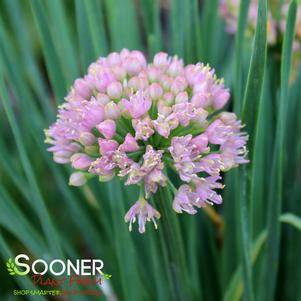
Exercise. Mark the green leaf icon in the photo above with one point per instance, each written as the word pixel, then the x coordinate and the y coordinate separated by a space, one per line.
pixel 10 267
pixel 107 276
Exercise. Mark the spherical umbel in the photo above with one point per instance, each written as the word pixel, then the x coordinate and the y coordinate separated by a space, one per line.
pixel 134 120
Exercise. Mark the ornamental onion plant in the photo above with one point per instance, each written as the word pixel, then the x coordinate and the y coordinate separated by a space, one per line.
pixel 174 151
pixel 135 120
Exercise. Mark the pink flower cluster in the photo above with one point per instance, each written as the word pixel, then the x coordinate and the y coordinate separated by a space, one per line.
pixel 229 10
pixel 135 120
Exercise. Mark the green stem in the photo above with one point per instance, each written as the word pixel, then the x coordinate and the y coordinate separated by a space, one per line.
pixel 127 125
pixel 137 154
pixel 172 246
pixel 172 186
pixel 190 130
pixel 118 137
pixel 157 138
pixel 193 132
pixel 154 111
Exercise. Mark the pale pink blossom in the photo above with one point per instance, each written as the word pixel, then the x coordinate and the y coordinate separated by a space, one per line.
pixel 164 125
pixel 154 179
pixel 129 144
pixel 161 60
pixel 205 189
pixel 201 143
pixel 93 113
pixel 220 96
pixel 143 212
pixel 185 200
pixel 107 128
pixel 103 166
pixel 138 104
pixel 134 173
pixel 122 161
pixel 107 147
pixel 143 127
pixel 217 132
pixel 188 199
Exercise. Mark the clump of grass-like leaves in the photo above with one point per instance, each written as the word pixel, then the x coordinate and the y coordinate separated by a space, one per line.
pixel 249 248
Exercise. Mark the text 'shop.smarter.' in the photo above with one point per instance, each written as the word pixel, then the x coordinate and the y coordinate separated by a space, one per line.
pixel 135 120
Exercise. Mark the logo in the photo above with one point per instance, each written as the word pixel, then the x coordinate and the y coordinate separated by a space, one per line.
pixel 10 265
pixel 57 267
pixel 79 272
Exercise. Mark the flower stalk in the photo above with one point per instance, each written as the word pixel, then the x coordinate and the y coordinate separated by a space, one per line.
pixel 172 246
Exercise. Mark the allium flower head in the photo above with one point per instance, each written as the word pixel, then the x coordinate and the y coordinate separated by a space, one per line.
pixel 134 120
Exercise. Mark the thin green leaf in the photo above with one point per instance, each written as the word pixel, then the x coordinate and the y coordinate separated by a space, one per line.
pixel 291 219
pixel 54 68
pixel 177 17
pixel 270 270
pixel 208 29
pixel 123 25
pixel 35 190
pixel 235 289
pixel 17 223
pixel 171 239
pixel 239 39
pixel 123 244
pixel 63 44
pixel 87 54
pixel 255 79
pixel 26 47
pixel 96 29
pixel 252 98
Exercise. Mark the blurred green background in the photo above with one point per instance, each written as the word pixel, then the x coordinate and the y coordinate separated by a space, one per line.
pixel 249 249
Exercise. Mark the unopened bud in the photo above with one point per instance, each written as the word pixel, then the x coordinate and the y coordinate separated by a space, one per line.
pixel 80 161
pixel 112 110
pixel 114 90
pixel 155 91
pixel 77 179
pixel 86 138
